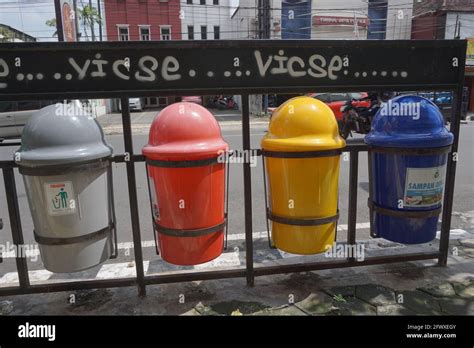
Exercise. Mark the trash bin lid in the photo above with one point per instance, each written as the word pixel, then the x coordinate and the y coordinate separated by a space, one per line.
pixel 303 124
pixel 184 131
pixel 409 121
pixel 61 134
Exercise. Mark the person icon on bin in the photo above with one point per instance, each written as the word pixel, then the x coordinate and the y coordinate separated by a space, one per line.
pixel 63 195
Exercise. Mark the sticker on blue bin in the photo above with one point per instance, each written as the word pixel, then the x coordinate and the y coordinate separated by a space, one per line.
pixel 60 198
pixel 424 187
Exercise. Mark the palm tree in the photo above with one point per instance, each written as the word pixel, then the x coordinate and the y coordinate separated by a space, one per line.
pixel 89 16
pixel 6 35
pixel 52 23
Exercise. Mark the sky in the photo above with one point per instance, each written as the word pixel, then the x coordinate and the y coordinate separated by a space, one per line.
pixel 29 16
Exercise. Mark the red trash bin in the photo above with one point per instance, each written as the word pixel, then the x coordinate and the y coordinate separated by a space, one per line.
pixel 187 183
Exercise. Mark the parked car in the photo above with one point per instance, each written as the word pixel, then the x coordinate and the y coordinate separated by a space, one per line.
pixel 14 115
pixel 135 104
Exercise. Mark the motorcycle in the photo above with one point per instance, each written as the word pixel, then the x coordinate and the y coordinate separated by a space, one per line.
pixel 359 118
pixel 227 102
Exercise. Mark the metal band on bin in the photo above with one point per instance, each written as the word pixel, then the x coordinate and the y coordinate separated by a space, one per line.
pixel 421 214
pixel 302 222
pixel 409 151
pixel 61 169
pixel 182 164
pixel 72 240
pixel 188 233
pixel 302 154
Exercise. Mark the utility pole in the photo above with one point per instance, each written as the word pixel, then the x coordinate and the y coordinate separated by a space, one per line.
pixel 59 20
pixel 76 20
pixel 456 27
pixel 100 20
pixel 264 26
pixel 263 16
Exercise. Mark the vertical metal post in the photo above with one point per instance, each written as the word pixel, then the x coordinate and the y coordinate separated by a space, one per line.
pixel 450 177
pixel 371 196
pixel 247 190
pixel 132 193
pixel 99 12
pixel 59 20
pixel 352 210
pixel 76 20
pixel 15 225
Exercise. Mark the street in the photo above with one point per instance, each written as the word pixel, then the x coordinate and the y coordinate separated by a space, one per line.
pixel 462 219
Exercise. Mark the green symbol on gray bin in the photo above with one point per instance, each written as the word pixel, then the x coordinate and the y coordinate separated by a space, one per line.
pixel 63 195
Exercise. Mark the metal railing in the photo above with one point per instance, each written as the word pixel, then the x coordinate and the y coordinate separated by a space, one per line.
pixel 129 158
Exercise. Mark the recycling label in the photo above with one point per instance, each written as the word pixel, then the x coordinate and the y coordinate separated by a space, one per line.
pixel 60 198
pixel 424 186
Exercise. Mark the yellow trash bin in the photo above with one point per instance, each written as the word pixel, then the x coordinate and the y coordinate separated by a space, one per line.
pixel 301 154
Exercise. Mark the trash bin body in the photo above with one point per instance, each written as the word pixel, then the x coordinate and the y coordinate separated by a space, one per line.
pixel 301 151
pixel 408 155
pixel 186 172
pixel 65 164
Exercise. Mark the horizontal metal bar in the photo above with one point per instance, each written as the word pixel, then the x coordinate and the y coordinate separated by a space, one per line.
pixel 210 275
pixel 8 164
pixel 68 286
pixel 186 45
pixel 9 144
pixel 201 92
pixel 315 266
pixel 189 277
pixel 122 158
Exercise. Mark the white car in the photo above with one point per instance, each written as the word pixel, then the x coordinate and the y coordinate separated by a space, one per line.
pixel 15 114
pixel 135 104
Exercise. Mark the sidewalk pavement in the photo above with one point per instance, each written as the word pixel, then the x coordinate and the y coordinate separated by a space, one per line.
pixel 410 288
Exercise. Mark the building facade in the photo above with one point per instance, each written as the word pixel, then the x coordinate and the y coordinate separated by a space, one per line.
pixel 137 20
pixel 447 19
pixel 144 20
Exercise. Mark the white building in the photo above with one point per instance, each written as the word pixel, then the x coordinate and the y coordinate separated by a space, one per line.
pixel 211 20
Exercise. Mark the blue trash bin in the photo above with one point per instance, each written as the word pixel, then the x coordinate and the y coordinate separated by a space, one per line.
pixel 408 149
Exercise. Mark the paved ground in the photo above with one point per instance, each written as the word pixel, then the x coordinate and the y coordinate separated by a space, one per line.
pixel 412 288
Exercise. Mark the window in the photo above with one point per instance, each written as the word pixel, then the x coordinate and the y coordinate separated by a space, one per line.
pixel 355 95
pixel 203 32
pixel 217 32
pixel 190 32
pixel 335 97
pixel 123 33
pixel 189 2
pixel 215 2
pixel 144 33
pixel 165 33
pixel 202 2
pixel 323 97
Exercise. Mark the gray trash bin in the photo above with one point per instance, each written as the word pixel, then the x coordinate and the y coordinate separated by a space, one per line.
pixel 65 163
